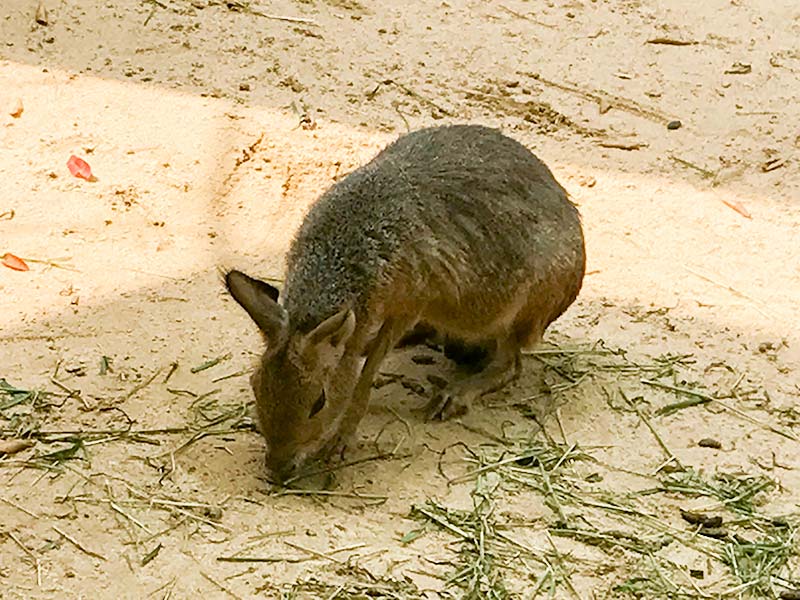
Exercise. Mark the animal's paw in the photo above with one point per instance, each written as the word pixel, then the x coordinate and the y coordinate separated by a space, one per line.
pixel 446 405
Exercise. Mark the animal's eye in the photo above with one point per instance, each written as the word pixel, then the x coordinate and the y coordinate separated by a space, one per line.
pixel 318 405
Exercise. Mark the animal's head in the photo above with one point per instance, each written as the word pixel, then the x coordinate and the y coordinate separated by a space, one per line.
pixel 303 383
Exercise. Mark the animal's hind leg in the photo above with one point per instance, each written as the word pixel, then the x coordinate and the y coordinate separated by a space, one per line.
pixel 502 366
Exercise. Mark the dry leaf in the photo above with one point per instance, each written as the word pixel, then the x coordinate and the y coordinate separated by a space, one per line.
pixel 739 68
pixel 14 262
pixel 14 446
pixel 16 112
pixel 80 168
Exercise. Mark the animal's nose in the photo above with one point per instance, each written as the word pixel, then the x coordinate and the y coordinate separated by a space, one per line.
pixel 280 470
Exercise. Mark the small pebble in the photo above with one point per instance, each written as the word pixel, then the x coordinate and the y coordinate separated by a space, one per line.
pixel 41 14
pixel 696 573
pixel 702 519
pixel 713 522
pixel 674 125
pixel 212 512
pixel 413 386
pixel 718 533
pixel 422 359
pixel 672 468
pixel 587 181
pixel 383 380
pixel 709 443
pixel 244 87
pixel 436 381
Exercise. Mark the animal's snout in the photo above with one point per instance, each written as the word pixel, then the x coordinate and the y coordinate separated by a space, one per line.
pixel 280 469
pixel 299 474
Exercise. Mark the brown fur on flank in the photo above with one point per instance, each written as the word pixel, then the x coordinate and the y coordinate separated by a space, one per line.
pixel 457 227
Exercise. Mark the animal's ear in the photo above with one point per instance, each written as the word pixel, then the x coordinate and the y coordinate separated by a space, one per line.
pixel 259 298
pixel 334 330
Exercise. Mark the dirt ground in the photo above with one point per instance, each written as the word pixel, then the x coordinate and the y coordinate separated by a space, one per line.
pixel 212 126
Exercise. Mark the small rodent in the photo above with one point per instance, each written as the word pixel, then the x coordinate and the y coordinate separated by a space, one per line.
pixel 456 228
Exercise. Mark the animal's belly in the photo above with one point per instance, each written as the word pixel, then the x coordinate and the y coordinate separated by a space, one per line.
pixel 476 317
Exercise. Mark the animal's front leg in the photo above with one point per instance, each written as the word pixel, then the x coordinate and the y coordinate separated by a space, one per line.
pixel 390 332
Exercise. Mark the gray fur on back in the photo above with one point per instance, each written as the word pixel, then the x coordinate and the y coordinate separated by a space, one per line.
pixel 461 208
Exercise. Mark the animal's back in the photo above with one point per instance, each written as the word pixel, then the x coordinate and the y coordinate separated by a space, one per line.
pixel 462 215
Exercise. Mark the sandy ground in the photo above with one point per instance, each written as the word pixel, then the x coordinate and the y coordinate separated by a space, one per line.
pixel 211 129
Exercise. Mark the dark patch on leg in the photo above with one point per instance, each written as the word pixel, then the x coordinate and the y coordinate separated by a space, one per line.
pixel 419 334
pixel 501 367
pixel 471 357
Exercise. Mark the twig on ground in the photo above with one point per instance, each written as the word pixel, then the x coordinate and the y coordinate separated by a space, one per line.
pixel 239 6
pixel 704 172
pixel 218 585
pixel 333 493
pixel 313 552
pixel 759 305
pixel 172 368
pixel 78 545
pixel 139 387
pixel 116 508
pixel 18 507
pixel 344 465
pixel 706 398
pixel 665 41
pixel 410 92
pixel 667 452
pixel 210 363
pixel 30 554
pixel 604 97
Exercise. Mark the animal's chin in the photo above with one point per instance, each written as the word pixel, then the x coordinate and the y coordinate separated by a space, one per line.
pixel 305 466
pixel 311 474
